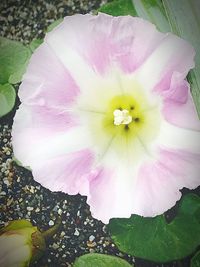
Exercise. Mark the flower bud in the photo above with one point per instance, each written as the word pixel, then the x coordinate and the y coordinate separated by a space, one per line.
pixel 20 244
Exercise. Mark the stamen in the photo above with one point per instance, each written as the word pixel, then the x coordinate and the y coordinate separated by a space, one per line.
pixel 122 117
pixel 136 119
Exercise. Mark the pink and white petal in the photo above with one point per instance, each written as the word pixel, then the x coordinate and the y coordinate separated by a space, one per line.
pixel 121 41
pixel 174 137
pixel 178 106
pixel 66 173
pixel 125 41
pixel 173 54
pixel 148 188
pixel 177 91
pixel 181 114
pixel 66 42
pixel 112 182
pixel 42 134
pixel 47 82
pixel 111 194
pixel 159 182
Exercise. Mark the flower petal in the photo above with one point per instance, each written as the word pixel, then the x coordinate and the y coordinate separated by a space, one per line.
pixel 112 181
pixel 66 173
pixel 41 133
pixel 182 114
pixel 171 136
pixel 111 194
pixel 173 54
pixel 178 106
pixel 47 82
pixel 148 189
pixel 125 41
pixel 159 182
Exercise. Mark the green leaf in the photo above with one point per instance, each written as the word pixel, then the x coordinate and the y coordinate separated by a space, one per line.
pixel 7 98
pixel 100 260
pixel 14 58
pixel 195 261
pixel 153 11
pixel 184 19
pixel 119 8
pixel 154 239
pixel 35 44
pixel 54 24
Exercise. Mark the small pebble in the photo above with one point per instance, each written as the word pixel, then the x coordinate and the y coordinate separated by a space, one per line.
pixel 76 233
pixel 55 246
pixel 60 212
pixel 62 234
pixel 51 223
pixel 91 244
pixel 91 238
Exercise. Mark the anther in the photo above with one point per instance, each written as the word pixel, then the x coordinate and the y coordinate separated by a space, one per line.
pixel 126 128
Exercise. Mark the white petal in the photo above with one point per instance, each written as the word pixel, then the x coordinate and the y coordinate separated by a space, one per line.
pixel 174 137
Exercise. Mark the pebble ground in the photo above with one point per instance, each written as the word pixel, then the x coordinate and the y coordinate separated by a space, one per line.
pixel 20 196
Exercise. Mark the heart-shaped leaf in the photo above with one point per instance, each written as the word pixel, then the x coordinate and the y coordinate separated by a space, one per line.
pixel 7 98
pixel 119 8
pixel 100 260
pixel 14 58
pixel 195 261
pixel 155 239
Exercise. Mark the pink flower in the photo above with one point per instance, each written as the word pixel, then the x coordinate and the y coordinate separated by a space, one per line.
pixel 106 112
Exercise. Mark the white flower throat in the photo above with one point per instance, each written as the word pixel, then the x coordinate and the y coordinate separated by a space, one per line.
pixel 122 117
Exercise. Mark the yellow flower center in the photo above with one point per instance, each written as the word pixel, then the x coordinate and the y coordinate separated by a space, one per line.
pixel 124 116
pixel 126 123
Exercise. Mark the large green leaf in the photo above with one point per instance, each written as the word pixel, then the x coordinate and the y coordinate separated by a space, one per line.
pixel 195 261
pixel 153 11
pixel 14 58
pixel 100 260
pixel 7 98
pixel 119 8
pixel 155 239
pixel 184 18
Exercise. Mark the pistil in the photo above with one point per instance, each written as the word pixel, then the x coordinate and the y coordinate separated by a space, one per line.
pixel 122 117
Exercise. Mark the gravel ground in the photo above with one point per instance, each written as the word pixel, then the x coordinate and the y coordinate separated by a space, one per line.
pixel 20 196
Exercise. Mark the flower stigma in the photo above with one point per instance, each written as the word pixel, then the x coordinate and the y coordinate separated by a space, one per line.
pixel 122 117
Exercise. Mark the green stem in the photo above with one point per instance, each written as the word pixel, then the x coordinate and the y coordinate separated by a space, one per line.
pixel 51 231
